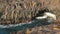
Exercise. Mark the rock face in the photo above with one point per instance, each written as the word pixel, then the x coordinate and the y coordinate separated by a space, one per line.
pixel 26 9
